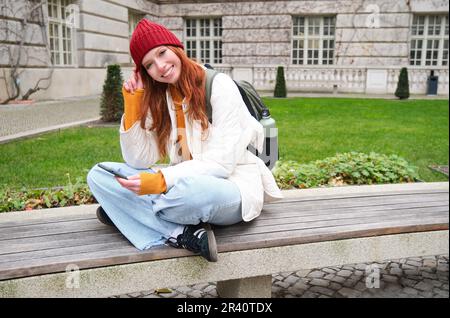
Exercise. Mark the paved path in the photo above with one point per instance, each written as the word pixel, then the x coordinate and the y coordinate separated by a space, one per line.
pixel 413 277
pixel 17 121
pixel 441 169
pixel 419 277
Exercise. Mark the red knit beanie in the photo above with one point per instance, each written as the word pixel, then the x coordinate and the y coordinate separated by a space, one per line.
pixel 147 36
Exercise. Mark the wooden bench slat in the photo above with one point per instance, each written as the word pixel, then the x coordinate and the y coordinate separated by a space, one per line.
pixel 45 220
pixel 273 214
pixel 292 225
pixel 362 202
pixel 432 223
pixel 59 228
pixel 308 235
pixel 43 227
pixel 59 263
pixel 116 256
pixel 103 230
pixel 279 210
pixel 360 213
pixel 64 251
pixel 54 243
pixel 343 196
pixel 399 213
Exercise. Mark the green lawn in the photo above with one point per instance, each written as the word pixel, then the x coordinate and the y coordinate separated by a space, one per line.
pixel 309 129
pixel 316 128
pixel 44 161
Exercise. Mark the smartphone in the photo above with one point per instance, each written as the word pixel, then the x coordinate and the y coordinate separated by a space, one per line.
pixel 111 170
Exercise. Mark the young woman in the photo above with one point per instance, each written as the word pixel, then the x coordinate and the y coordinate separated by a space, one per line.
pixel 212 177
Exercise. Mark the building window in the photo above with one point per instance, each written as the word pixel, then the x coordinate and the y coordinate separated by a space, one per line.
pixel 133 20
pixel 203 39
pixel 313 40
pixel 429 40
pixel 61 32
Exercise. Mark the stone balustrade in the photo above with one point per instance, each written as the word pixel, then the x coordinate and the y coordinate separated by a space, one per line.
pixel 308 79
pixel 336 78
pixel 418 79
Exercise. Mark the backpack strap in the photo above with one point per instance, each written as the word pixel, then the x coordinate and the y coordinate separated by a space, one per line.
pixel 210 74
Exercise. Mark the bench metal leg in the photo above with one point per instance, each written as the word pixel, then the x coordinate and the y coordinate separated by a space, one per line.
pixel 252 287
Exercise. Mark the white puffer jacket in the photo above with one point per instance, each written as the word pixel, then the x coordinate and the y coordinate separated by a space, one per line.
pixel 223 154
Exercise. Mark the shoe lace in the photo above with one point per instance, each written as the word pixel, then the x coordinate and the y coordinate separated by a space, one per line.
pixel 191 241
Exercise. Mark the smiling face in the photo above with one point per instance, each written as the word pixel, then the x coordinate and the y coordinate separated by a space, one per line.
pixel 162 64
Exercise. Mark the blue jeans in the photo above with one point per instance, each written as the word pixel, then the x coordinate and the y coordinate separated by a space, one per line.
pixel 149 220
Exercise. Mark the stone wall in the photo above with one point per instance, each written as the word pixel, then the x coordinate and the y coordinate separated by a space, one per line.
pixel 370 34
pixel 12 32
pixel 103 33
pixel 101 39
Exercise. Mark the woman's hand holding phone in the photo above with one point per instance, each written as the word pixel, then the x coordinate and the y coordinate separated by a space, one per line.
pixel 133 183
pixel 133 83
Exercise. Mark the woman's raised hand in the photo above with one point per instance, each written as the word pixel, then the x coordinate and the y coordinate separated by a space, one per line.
pixel 133 83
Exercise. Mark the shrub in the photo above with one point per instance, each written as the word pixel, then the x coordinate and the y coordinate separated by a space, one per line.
pixel 345 169
pixel 111 106
pixel 280 86
pixel 402 90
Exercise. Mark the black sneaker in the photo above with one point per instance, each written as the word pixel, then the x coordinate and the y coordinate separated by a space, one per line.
pixel 103 217
pixel 199 239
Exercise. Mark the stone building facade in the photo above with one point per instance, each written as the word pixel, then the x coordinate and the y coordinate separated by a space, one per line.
pixel 342 46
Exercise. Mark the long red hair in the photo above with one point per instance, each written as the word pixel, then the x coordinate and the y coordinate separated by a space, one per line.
pixel 191 84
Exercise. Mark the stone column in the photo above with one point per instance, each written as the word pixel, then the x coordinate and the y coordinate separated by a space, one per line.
pixel 252 287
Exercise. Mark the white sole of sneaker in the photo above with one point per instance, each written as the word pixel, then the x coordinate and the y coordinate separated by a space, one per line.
pixel 211 242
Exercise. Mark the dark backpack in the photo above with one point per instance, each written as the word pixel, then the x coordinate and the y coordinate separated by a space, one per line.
pixel 257 109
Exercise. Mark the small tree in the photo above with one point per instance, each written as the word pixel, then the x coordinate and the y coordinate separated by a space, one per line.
pixel 280 86
pixel 402 90
pixel 111 107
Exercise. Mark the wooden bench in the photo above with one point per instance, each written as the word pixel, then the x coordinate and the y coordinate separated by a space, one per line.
pixel 68 253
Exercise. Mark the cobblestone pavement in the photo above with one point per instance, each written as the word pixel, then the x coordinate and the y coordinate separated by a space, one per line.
pixel 19 118
pixel 418 277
